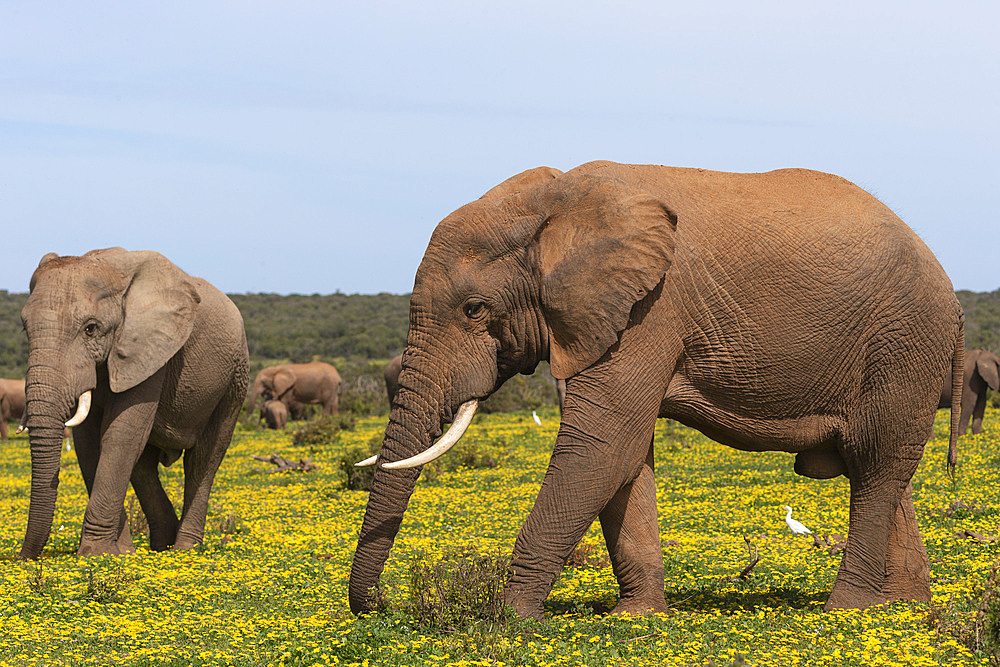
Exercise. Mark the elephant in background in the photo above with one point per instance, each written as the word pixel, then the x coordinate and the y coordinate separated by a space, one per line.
pixel 275 414
pixel 146 363
pixel 297 384
pixel 392 376
pixel 982 372
pixel 723 301
pixel 11 403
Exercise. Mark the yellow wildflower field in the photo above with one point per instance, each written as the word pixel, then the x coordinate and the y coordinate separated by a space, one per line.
pixel 269 585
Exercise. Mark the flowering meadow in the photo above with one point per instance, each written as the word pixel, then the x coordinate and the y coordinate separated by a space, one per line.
pixel 269 585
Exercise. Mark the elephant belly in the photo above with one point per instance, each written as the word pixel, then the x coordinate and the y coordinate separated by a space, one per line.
pixel 757 433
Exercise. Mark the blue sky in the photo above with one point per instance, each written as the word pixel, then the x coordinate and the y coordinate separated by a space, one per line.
pixel 312 147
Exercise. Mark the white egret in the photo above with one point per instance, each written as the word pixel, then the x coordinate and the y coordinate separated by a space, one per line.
pixel 794 525
pixel 534 415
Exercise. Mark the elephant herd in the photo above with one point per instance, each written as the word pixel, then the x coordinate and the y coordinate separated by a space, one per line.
pixel 783 311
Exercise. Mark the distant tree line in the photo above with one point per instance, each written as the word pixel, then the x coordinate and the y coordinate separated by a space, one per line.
pixel 982 319
pixel 354 330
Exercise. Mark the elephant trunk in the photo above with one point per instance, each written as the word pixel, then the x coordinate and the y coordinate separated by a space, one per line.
pixel 47 409
pixel 255 391
pixel 414 422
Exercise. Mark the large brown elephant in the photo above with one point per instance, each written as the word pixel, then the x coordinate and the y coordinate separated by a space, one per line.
pixel 982 372
pixel 11 403
pixel 294 385
pixel 787 311
pixel 146 363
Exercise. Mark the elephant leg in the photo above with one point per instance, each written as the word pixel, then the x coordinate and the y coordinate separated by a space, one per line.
pixel 632 534
pixel 153 499
pixel 201 463
pixel 3 425
pixel 978 411
pixel 125 428
pixel 907 569
pixel 880 510
pixel 602 445
pixel 87 442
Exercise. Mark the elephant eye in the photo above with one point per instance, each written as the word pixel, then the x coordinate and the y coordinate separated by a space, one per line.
pixel 472 308
pixel 90 329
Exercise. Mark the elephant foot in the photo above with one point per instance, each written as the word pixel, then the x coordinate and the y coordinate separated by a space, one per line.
pixel 162 538
pixel 848 595
pixel 183 543
pixel 525 606
pixel 641 605
pixel 89 548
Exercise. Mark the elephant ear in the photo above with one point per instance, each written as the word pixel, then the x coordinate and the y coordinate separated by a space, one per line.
pixel 987 368
pixel 602 246
pixel 283 380
pixel 158 309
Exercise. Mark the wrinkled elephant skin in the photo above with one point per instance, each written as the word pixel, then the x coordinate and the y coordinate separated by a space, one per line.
pixel 787 311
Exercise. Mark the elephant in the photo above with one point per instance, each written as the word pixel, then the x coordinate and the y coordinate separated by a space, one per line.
pixel 296 384
pixel 781 311
pixel 392 376
pixel 146 363
pixel 275 414
pixel 982 372
pixel 11 403
pixel 561 393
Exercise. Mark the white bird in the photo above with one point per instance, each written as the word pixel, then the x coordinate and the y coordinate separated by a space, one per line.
pixel 534 415
pixel 794 525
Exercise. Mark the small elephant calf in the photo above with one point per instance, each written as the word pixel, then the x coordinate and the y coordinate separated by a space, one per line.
pixel 275 414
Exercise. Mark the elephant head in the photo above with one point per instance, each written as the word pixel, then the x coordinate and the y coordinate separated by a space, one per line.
pixel 545 266
pixel 271 383
pixel 987 366
pixel 106 320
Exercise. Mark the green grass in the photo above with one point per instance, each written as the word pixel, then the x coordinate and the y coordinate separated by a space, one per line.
pixel 269 586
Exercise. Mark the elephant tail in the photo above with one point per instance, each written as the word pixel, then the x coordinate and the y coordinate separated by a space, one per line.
pixel 957 383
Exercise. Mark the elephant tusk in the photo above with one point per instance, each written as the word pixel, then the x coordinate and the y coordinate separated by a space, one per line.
pixel 23 424
pixel 82 410
pixel 370 461
pixel 462 420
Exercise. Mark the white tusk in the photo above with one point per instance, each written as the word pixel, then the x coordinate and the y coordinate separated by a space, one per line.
pixel 370 461
pixel 82 410
pixel 462 420
pixel 23 425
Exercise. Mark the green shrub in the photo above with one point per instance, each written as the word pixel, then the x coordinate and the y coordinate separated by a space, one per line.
pixel 364 395
pixel 323 431
pixel 458 590
pixel 108 587
pixel 359 479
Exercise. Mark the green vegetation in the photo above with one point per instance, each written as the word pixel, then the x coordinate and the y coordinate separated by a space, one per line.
pixel 13 342
pixel 982 319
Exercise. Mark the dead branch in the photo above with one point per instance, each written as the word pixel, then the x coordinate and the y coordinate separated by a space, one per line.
pixel 284 465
